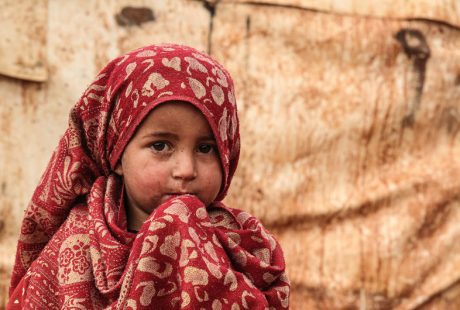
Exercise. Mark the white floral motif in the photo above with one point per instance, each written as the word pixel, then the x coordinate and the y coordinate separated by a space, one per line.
pixel 231 97
pixel 203 58
pixel 221 79
pixel 66 257
pixel 135 97
pixel 129 69
pixel 150 62
pixel 165 93
pixel 235 306
pixel 243 298
pixel 155 79
pixel 128 89
pixel 122 60
pixel 283 290
pixel 149 244
pixel 197 88
pixel 96 97
pixel 168 248
pixel 213 269
pixel 100 76
pixel 179 209
pixel 169 288
pixel 201 213
pixel 95 87
pixel 210 250
pixel 268 277
pixel 70 184
pixel 108 94
pixel 185 299
pixel 209 79
pixel 156 225
pixel 195 65
pixel 234 124
pixel 172 63
pixel 150 265
pixel 241 258
pixel 184 253
pixel 217 94
pixel 264 255
pixel 196 276
pixel 146 53
pixel 131 303
pixel 230 278
pixel 147 293
pixel 72 302
pixel 223 126
pixel 216 304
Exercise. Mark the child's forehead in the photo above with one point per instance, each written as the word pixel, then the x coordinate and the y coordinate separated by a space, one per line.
pixel 178 114
pixel 175 104
pixel 172 107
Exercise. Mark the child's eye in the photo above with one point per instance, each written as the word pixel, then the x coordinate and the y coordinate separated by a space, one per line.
pixel 159 146
pixel 206 148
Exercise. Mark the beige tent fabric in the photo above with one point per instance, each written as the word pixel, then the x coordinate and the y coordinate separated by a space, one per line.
pixel 447 11
pixel 23 39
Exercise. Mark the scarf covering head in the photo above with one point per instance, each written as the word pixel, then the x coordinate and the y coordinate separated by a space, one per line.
pixel 74 250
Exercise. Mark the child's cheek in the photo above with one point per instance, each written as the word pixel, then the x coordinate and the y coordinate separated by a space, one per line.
pixel 155 177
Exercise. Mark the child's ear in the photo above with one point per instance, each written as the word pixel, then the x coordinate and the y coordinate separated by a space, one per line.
pixel 119 168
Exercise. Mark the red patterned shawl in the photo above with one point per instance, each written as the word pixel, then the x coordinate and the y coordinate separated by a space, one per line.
pixel 74 250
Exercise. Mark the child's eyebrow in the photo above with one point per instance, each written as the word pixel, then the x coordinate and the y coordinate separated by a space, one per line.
pixel 161 134
pixel 207 138
pixel 170 135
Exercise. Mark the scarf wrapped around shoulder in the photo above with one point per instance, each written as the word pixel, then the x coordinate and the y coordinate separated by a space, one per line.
pixel 74 250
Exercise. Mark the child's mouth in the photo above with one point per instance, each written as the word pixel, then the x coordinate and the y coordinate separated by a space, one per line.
pixel 172 195
pixel 180 194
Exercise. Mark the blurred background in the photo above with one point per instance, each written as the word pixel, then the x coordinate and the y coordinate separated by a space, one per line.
pixel 350 120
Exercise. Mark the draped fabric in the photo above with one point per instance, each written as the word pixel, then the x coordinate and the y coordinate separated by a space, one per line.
pixel 74 250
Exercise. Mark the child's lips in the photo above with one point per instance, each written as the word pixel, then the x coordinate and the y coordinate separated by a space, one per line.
pixel 171 195
pixel 175 194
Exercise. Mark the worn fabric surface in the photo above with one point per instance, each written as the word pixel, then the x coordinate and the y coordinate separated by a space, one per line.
pixel 185 255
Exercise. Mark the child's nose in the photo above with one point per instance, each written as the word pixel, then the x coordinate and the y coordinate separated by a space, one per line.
pixel 185 166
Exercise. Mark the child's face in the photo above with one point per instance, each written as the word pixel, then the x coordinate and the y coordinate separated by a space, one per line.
pixel 173 152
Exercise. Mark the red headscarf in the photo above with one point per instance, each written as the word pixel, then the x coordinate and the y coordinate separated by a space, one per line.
pixel 74 250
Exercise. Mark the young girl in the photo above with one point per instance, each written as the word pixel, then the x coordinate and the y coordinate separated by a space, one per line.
pixel 128 214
